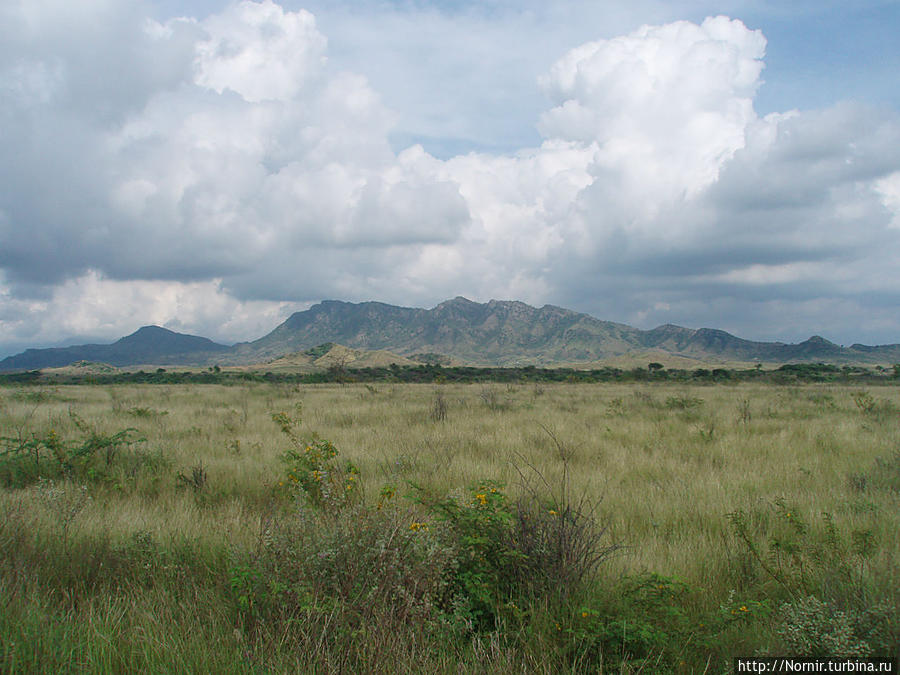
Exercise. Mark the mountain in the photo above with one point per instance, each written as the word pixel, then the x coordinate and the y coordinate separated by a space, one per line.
pixel 497 332
pixel 147 345
pixel 330 355
pixel 458 331
pixel 510 333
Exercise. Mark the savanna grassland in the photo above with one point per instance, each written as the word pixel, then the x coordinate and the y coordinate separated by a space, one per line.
pixel 445 528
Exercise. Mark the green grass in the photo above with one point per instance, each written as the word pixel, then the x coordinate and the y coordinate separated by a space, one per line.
pixel 728 520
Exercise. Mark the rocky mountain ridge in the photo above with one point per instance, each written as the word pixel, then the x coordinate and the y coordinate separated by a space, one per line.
pixel 504 333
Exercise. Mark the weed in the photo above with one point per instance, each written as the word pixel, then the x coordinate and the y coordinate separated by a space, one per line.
pixel 64 502
pixel 196 480
pixel 146 412
pixel 683 402
pixel 492 400
pixel 314 470
pixel 439 407
pixel 24 460
pixel 865 402
pixel 883 475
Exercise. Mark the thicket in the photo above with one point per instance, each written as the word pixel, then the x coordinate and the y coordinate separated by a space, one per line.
pixel 436 373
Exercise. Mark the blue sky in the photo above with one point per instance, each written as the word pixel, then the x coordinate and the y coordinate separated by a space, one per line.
pixel 213 166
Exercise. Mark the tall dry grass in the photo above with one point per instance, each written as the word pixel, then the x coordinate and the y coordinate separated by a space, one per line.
pixel 669 471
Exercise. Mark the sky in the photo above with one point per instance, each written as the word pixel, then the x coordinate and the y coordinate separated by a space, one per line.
pixel 214 166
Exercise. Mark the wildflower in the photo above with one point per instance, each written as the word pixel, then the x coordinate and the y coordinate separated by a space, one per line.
pixel 482 498
pixel 584 615
pixel 553 512
pixel 744 608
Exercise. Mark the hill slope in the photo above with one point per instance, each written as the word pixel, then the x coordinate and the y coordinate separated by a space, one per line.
pixel 491 333
pixel 458 330
pixel 147 345
pixel 509 333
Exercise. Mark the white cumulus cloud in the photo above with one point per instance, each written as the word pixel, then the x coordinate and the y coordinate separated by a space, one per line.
pixel 199 172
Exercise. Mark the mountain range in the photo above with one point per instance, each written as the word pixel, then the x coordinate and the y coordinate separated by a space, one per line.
pixel 492 333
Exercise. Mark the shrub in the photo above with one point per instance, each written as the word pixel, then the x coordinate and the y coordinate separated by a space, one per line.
pixel 477 527
pixel 810 627
pixel 561 546
pixel 683 402
pixel 25 460
pixel 313 468
pixel 323 583
pixel 512 554
pixel 439 407
pixel 829 607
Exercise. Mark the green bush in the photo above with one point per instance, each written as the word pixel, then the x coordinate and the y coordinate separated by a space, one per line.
pixel 313 468
pixel 477 526
pixel 92 457
pixel 810 627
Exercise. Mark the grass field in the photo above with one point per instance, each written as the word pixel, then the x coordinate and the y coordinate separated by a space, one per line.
pixel 459 528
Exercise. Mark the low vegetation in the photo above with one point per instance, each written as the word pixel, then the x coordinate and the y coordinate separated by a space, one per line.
pixel 340 372
pixel 522 526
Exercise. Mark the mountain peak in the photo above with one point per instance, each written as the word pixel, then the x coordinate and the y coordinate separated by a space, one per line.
pixel 458 301
pixel 498 332
pixel 151 331
pixel 819 341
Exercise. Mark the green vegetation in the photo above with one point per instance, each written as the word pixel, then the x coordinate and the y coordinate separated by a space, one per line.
pixel 660 526
pixel 433 372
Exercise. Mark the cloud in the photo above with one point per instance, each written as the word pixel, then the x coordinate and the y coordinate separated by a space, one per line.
pixel 92 305
pixel 259 51
pixel 257 148
pixel 193 172
pixel 888 189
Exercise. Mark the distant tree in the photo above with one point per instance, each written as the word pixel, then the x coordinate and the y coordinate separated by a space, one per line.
pixel 653 367
pixel 338 369
pixel 897 370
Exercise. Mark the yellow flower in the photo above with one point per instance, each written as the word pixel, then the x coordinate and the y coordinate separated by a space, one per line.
pixel 482 498
pixel 744 608
pixel 553 512
pixel 584 615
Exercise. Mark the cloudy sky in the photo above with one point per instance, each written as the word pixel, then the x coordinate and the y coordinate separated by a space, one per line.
pixel 212 166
